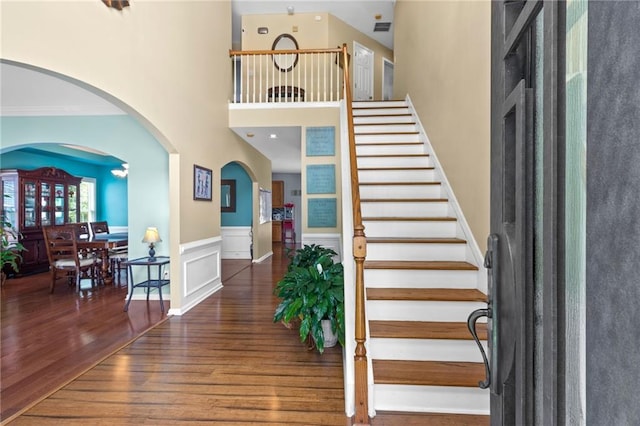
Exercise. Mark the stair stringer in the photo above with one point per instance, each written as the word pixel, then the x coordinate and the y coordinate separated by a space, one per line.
pixel 472 245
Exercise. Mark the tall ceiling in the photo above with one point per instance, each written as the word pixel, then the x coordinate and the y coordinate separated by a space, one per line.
pixel 360 14
pixel 25 92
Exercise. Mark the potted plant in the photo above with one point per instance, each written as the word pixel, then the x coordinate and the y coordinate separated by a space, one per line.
pixel 10 249
pixel 312 292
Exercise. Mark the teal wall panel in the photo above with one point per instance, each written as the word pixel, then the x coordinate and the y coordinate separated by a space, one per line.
pixel 244 196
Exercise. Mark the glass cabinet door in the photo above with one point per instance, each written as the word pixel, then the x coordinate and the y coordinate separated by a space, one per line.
pixel 73 204
pixel 46 204
pixel 30 190
pixel 60 201
pixel 9 201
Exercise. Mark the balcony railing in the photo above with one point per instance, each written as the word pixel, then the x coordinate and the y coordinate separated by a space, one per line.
pixel 309 75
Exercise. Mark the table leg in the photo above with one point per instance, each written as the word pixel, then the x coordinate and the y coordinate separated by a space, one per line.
pixel 160 294
pixel 126 305
pixel 106 271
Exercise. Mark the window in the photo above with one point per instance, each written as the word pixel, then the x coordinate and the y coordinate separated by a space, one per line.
pixel 88 200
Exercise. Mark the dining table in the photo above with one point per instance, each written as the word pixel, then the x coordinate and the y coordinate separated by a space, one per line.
pixel 102 243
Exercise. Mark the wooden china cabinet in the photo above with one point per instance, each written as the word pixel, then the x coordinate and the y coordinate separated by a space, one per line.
pixel 36 198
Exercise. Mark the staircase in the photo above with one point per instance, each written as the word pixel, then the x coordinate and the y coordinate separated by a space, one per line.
pixel 420 276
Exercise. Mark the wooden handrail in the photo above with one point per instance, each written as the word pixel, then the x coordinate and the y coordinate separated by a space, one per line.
pixel 359 255
pixel 284 52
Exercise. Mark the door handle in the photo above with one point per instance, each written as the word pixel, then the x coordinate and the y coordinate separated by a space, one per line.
pixel 471 324
pixel 490 259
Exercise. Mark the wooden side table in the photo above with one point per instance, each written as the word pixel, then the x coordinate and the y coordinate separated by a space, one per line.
pixel 151 281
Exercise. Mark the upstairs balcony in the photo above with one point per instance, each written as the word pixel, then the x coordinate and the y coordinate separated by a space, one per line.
pixel 287 75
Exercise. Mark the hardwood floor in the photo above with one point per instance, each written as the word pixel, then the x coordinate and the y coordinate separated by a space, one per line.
pixel 223 362
pixel 48 339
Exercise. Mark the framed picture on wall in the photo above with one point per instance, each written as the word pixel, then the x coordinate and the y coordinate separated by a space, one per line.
pixel 228 195
pixel 202 183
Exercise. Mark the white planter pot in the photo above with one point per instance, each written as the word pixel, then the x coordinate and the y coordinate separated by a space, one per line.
pixel 330 338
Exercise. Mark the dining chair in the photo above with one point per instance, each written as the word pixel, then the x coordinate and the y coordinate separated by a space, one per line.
pixel 82 230
pixel 99 227
pixel 64 257
pixel 116 257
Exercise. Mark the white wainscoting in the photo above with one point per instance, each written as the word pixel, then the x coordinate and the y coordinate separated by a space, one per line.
pixel 201 272
pixel 332 241
pixel 119 229
pixel 236 242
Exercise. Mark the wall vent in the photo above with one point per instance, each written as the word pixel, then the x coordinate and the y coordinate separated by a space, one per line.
pixel 382 27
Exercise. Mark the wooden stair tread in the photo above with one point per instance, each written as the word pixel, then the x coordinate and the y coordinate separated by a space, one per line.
pixel 396 168
pixel 428 373
pixel 374 240
pixel 385 133
pixel 399 183
pixel 406 114
pixel 405 418
pixel 425 330
pixel 386 123
pixel 392 155
pixel 430 294
pixel 411 219
pixel 387 143
pixel 378 106
pixel 403 200
pixel 441 265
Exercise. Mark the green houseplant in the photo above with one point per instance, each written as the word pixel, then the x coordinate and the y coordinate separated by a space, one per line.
pixel 312 290
pixel 10 248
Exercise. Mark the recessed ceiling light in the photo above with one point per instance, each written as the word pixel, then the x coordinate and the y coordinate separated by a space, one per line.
pixel 273 136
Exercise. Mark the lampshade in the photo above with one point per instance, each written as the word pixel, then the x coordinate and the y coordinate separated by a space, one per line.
pixel 151 235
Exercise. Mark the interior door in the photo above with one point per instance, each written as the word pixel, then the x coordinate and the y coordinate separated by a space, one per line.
pixel 362 73
pixel 522 247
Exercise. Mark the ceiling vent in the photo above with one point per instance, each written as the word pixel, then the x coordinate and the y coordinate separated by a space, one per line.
pixel 382 26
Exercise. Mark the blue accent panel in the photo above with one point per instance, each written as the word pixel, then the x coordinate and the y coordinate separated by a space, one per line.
pixel 322 212
pixel 321 141
pixel 321 179
pixel 244 197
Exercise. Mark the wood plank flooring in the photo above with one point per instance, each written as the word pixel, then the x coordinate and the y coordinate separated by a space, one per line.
pixel 48 339
pixel 224 362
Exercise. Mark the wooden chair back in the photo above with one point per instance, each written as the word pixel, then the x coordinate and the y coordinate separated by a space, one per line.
pixel 62 248
pixel 82 230
pixel 63 254
pixel 99 227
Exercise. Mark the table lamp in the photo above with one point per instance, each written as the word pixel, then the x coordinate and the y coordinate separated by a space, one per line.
pixel 151 236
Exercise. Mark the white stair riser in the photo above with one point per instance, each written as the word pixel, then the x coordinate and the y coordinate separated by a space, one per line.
pixel 411 137
pixel 408 229
pixel 410 310
pixel 384 128
pixel 404 209
pixel 396 148
pixel 431 399
pixel 406 175
pixel 400 191
pixel 395 117
pixel 416 251
pixel 382 162
pixel 383 108
pixel 425 349
pixel 400 278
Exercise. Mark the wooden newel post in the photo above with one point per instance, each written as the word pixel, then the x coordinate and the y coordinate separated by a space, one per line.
pixel 360 357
